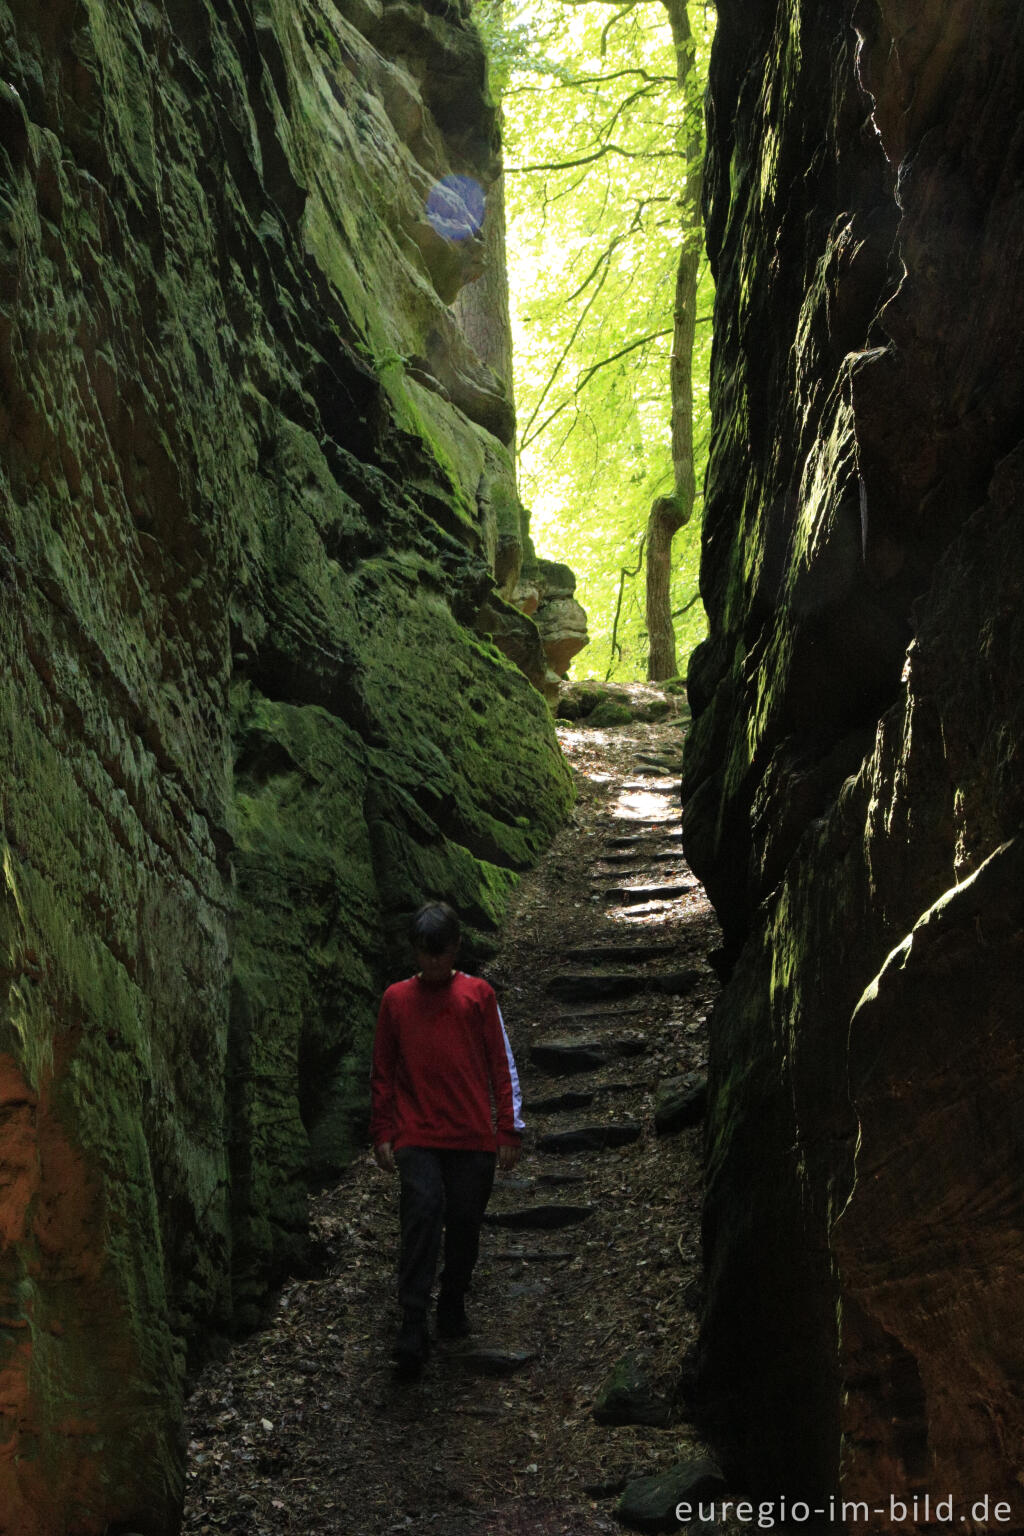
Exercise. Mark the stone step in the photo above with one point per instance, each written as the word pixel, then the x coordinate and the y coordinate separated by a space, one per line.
pixel 659 835
pixel 569 1056
pixel 584 1055
pixel 532 1255
pixel 621 954
pixel 540 1218
pixel 581 1098
pixel 587 1018
pixel 494 1362
pixel 634 895
pixel 638 839
pixel 644 909
pixel 632 785
pixel 639 858
pixel 656 823
pixel 560 1177
pixel 554 1102
pixel 587 987
pixel 591 1138
pixel 571 1027
pixel 674 983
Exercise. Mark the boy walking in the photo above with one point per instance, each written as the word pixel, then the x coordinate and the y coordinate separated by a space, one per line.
pixel 440 1056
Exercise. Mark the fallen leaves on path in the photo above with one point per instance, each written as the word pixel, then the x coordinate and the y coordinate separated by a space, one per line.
pixel 301 1428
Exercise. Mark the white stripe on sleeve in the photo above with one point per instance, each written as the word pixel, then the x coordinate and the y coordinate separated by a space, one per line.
pixel 517 1094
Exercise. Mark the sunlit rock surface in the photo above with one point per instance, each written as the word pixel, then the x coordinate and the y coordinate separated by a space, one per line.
pixel 561 620
pixel 254 482
pixel 853 781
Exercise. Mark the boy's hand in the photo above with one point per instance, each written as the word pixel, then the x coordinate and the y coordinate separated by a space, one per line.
pixel 507 1158
pixel 385 1157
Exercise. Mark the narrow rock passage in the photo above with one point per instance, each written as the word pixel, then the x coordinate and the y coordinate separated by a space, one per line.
pixel 590 1253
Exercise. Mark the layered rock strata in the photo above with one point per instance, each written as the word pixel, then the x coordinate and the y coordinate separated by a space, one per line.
pixel 254 483
pixel 853 782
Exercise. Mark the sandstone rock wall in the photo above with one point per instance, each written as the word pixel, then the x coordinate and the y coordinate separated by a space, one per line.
pixel 253 480
pixel 853 782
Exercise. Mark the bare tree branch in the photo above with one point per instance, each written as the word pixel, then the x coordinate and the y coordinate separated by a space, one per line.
pixel 531 437
pixel 576 82
pixel 641 341
pixel 606 255
pixel 569 188
pixel 599 154
pixel 678 612
pixel 527 438
pixel 620 15
pixel 623 106
pixel 624 573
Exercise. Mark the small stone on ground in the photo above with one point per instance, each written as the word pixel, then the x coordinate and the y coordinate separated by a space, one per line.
pixel 650 1503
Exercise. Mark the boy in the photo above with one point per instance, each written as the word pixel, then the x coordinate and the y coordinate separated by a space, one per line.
pixel 440 1054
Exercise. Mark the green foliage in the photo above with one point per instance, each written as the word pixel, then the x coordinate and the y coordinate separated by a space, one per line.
pixel 594 129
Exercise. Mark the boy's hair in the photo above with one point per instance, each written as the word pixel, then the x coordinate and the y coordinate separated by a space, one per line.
pixel 435 928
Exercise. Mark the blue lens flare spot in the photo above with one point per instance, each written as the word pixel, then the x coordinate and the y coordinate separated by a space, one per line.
pixel 455 207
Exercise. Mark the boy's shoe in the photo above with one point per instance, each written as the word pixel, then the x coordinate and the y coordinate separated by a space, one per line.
pixel 412 1346
pixel 452 1322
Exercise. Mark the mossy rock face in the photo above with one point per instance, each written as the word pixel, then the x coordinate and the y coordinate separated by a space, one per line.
pixel 608 713
pixel 656 709
pixel 603 704
pixel 578 700
pixel 853 783
pixel 675 686
pixel 255 481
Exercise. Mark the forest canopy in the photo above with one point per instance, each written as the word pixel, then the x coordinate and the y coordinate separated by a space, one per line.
pixel 599 138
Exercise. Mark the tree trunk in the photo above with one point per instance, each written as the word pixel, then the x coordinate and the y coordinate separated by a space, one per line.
pixel 669 513
pixel 662 525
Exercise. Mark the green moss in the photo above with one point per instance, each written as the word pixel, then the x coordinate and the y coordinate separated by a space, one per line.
pixel 610 713
pixel 306 966
pixel 197 910
pixel 452 442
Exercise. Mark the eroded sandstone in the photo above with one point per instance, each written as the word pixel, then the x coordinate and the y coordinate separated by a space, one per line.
pixel 255 477
pixel 853 779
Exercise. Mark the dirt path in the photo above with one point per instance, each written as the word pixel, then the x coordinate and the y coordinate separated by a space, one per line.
pixel 593 1253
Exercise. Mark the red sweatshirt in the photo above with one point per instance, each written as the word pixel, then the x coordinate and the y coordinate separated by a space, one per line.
pixel 439 1053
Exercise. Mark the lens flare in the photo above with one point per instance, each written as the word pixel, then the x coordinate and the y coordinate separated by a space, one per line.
pixel 455 208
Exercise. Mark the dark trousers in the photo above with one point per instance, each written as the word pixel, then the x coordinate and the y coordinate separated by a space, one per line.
pixel 441 1190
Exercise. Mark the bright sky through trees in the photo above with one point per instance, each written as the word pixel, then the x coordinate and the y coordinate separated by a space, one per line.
pixel 594 134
